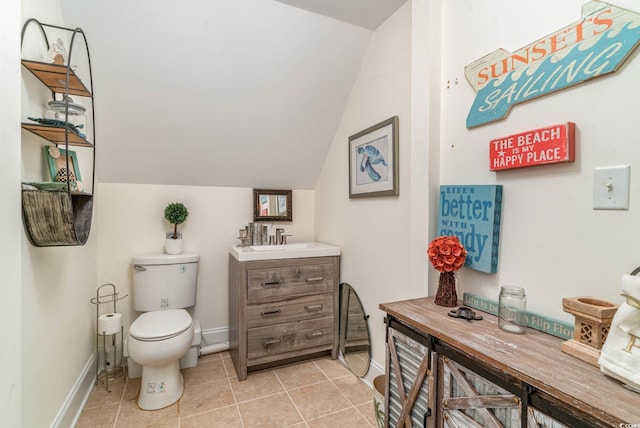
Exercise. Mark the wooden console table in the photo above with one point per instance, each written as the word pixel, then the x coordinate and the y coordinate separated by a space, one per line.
pixel 445 371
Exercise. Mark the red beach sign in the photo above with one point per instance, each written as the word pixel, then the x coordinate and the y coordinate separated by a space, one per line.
pixel 553 144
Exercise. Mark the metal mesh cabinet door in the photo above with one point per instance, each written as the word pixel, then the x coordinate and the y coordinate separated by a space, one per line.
pixel 410 383
pixel 469 400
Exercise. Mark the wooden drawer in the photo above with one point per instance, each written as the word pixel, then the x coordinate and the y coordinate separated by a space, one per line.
pixel 282 338
pixel 289 280
pixel 289 310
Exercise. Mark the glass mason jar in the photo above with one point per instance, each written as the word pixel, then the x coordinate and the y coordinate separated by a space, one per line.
pixel 67 110
pixel 512 309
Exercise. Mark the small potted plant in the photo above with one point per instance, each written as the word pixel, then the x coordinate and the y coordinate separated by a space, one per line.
pixel 175 213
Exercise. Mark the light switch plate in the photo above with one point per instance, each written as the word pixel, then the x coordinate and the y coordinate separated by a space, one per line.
pixel 611 188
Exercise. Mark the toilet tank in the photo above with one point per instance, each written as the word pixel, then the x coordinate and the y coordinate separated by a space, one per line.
pixel 163 281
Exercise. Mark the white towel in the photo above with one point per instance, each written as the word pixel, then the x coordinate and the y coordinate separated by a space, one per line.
pixel 620 355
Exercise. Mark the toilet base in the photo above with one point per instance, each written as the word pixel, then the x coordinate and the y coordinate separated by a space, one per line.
pixel 189 360
pixel 160 386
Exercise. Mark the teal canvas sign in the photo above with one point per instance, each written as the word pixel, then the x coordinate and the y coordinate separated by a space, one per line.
pixel 591 47
pixel 472 213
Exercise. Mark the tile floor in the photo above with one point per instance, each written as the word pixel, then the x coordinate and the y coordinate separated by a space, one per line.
pixel 317 393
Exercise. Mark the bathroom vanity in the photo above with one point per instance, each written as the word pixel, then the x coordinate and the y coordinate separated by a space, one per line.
pixel 443 371
pixel 283 304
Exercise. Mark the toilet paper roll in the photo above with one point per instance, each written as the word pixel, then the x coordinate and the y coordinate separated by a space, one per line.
pixel 110 323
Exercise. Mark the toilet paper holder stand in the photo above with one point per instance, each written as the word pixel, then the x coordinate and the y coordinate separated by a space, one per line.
pixel 111 352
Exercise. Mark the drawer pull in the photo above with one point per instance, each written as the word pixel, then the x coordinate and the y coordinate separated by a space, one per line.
pixel 315 334
pixel 313 308
pixel 314 279
pixel 271 284
pixel 270 342
pixel 271 313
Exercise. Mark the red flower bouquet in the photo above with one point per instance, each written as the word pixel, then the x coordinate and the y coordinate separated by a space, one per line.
pixel 447 255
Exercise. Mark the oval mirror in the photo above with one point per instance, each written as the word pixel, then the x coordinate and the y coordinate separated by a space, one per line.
pixel 272 205
pixel 355 346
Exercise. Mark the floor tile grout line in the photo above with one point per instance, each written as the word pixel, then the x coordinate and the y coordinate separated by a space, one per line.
pixel 335 412
pixel 124 391
pixel 235 399
pixel 307 385
pixel 365 417
pixel 261 397
pixel 290 398
pixel 234 405
pixel 343 394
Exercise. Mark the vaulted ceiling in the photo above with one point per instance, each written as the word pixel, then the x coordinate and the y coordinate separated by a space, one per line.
pixel 241 93
pixel 363 13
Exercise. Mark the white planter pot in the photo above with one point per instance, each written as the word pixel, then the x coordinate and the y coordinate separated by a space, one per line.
pixel 173 246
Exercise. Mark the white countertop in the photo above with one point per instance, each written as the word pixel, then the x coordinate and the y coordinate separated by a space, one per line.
pixel 287 251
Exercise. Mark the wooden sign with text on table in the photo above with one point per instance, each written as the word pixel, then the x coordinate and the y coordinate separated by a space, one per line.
pixel 553 144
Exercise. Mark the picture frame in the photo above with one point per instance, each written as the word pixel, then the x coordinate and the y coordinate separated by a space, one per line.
pixel 373 161
pixel 57 159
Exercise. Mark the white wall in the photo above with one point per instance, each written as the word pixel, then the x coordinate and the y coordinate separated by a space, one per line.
pixel 552 242
pixel 11 386
pixel 131 221
pixel 375 233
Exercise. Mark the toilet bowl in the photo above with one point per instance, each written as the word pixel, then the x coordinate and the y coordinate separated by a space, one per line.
pixel 157 340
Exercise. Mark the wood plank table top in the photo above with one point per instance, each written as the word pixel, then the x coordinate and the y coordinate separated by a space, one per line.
pixel 533 357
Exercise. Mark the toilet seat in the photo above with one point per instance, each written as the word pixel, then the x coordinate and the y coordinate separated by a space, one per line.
pixel 160 325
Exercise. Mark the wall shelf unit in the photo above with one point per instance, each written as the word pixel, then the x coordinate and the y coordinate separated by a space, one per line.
pixel 60 218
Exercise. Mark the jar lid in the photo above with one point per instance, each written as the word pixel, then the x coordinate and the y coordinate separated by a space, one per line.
pixel 61 105
pixel 510 289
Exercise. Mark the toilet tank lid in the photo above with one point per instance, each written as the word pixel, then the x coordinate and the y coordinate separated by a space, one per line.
pixel 164 259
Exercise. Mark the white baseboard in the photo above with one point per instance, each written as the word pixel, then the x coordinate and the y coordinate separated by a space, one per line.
pixel 78 396
pixel 215 335
pixel 375 370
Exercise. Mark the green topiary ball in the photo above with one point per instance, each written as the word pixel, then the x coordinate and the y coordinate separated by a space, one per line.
pixel 176 213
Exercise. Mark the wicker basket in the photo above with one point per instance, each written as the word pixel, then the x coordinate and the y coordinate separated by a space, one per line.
pixel 56 218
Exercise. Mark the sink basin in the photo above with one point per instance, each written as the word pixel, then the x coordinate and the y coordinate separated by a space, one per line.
pixel 287 251
pixel 285 247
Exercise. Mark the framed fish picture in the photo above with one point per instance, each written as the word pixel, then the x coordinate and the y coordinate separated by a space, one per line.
pixel 373 161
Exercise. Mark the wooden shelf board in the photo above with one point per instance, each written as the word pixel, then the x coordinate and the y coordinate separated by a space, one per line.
pixel 54 76
pixel 56 134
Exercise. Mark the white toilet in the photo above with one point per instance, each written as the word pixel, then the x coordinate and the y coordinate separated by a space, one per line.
pixel 163 285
